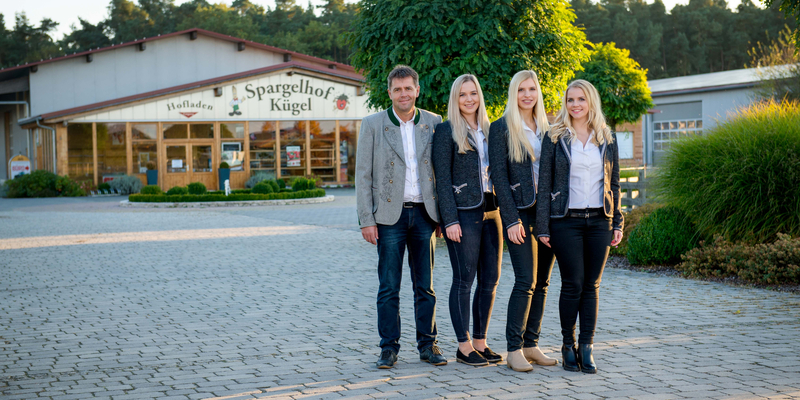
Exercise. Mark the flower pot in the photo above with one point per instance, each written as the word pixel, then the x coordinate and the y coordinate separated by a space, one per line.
pixel 224 175
pixel 152 177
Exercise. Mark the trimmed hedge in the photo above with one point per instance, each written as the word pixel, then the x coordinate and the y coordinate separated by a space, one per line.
pixel 151 189
pixel 770 263
pixel 177 190
pixel 263 188
pixel 197 188
pixel 41 183
pixel 192 198
pixel 632 219
pixel 661 238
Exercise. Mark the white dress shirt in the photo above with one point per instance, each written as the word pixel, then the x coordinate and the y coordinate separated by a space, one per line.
pixel 586 175
pixel 412 191
pixel 482 147
pixel 535 138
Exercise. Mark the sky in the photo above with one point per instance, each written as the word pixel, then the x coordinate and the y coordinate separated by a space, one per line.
pixel 66 13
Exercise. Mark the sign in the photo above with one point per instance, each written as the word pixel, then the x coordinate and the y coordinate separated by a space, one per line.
pixel 269 97
pixel 18 165
pixel 177 164
pixel 292 156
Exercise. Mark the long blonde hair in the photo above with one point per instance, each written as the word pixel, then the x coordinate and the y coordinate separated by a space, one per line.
pixel 562 126
pixel 458 124
pixel 518 143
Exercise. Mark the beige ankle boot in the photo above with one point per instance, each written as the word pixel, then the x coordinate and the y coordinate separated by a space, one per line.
pixel 534 355
pixel 516 361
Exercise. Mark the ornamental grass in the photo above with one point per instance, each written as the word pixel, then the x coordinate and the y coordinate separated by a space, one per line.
pixel 741 179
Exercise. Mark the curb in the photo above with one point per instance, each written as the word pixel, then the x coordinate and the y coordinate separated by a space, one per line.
pixel 251 203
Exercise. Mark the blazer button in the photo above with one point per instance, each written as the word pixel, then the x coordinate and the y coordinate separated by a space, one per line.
pixel 386 129
pixel 389 200
pixel 426 161
pixel 430 179
pixel 392 162
pixel 390 181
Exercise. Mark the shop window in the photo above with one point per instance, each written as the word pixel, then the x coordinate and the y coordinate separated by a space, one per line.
pixel 262 147
pixel 112 156
pixel 176 159
pixel 348 139
pixel 201 131
pixel 80 154
pixel 323 146
pixel 201 159
pixel 175 131
pixel 144 132
pixel 143 154
pixel 231 131
pixel 293 148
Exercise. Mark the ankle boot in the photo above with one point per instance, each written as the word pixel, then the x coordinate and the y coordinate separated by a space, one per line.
pixel 585 359
pixel 535 355
pixel 570 356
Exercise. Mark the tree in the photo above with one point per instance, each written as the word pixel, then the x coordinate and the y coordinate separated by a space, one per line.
pixel 792 10
pixel 89 36
pixel 778 68
pixel 621 82
pixel 442 39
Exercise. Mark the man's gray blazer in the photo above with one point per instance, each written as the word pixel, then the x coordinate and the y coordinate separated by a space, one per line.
pixel 381 167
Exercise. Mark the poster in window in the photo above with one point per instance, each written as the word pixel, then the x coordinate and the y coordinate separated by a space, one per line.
pixel 292 156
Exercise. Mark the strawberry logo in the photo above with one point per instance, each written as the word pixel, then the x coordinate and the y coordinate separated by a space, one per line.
pixel 341 102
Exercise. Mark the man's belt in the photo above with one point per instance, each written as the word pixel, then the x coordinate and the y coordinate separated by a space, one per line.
pixel 585 213
pixel 411 204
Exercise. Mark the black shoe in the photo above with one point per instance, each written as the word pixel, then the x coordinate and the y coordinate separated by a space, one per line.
pixel 585 359
pixel 474 358
pixel 570 357
pixel 387 359
pixel 433 355
pixel 490 356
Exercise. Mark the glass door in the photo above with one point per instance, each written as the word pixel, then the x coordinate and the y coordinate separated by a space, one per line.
pixel 176 166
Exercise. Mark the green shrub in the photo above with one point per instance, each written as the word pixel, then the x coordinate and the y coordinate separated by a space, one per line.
pixel 224 165
pixel 151 198
pixel 281 183
pixel 285 190
pixel 262 188
pixel 127 184
pixel 256 178
pixel 275 187
pixel 104 186
pixel 151 166
pixel 661 238
pixel 740 179
pixel 632 219
pixel 196 188
pixel 770 263
pixel 177 190
pixel 41 183
pixel 151 189
pixel 299 184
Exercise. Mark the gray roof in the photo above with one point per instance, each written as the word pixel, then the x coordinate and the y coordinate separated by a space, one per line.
pixel 715 80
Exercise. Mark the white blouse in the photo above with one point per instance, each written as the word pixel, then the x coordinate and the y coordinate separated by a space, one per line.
pixel 586 175
pixel 535 138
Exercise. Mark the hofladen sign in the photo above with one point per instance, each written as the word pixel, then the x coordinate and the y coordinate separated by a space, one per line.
pixel 269 97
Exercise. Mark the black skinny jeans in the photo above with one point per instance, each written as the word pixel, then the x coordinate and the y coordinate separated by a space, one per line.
pixel 581 246
pixel 478 254
pixel 532 267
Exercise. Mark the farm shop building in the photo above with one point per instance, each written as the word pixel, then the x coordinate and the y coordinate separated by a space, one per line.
pixel 181 104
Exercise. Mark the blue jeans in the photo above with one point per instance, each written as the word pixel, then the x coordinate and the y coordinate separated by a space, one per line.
pixel 478 254
pixel 415 231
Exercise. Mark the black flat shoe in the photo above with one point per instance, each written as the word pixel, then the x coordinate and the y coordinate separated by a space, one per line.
pixel 490 356
pixel 585 359
pixel 387 359
pixel 474 358
pixel 570 357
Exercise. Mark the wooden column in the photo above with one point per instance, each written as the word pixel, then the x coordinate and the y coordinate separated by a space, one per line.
pixel 308 148
pixel 246 149
pixel 161 157
pixel 277 152
pixel 94 151
pixel 337 164
pixel 62 156
pixel 129 148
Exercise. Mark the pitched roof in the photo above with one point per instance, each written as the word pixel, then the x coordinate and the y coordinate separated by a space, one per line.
pixel 248 43
pixel 740 78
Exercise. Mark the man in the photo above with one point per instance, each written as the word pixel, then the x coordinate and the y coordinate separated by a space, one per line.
pixel 396 205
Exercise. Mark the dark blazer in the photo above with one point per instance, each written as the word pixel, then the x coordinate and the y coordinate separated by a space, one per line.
pixel 458 179
pixel 513 182
pixel 554 169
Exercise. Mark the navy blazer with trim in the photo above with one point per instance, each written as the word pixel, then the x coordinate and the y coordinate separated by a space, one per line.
pixel 513 182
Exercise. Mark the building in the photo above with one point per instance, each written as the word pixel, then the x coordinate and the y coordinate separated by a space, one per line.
pixel 182 103
pixel 690 105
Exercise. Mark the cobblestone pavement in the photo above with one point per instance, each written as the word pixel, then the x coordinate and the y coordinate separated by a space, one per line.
pixel 279 302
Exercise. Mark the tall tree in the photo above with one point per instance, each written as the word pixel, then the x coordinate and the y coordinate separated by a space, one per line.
pixel 621 82
pixel 442 39
pixel 89 36
pixel 792 10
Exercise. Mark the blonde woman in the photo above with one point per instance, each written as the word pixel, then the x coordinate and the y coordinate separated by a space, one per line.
pixel 514 148
pixel 578 213
pixel 469 216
